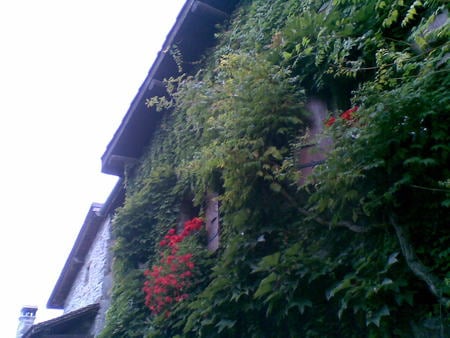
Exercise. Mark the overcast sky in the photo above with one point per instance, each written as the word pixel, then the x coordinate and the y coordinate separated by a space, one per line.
pixel 68 73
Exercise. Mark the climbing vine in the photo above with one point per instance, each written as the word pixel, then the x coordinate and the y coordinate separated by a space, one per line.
pixel 359 248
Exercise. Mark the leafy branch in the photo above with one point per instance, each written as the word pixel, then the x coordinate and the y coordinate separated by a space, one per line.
pixel 416 266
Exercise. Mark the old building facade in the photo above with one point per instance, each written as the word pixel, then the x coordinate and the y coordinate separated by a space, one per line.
pixel 84 285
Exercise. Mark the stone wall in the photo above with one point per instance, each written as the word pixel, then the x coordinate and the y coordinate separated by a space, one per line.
pixel 93 283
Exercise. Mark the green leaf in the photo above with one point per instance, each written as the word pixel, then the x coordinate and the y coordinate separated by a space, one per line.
pixel 420 161
pixel 287 55
pixel 375 318
pixel 275 186
pixel 392 259
pixel 274 152
pixel 225 324
pixel 401 298
pixel 446 203
pixel 270 261
pixel 300 304
pixel 346 283
pixel 265 286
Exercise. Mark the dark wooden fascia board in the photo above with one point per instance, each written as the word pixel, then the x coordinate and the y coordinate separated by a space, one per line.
pixel 193 14
pixel 76 257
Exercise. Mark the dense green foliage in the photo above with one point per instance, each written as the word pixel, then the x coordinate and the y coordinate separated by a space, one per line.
pixel 361 249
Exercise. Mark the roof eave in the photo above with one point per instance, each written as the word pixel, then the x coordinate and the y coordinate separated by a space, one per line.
pixel 87 311
pixel 76 257
pixel 139 123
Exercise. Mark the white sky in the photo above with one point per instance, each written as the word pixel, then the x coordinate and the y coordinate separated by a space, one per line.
pixel 68 73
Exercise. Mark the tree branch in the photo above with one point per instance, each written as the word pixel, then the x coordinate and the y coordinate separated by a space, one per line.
pixel 416 266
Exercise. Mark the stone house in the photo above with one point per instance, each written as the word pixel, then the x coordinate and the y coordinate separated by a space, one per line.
pixel 83 287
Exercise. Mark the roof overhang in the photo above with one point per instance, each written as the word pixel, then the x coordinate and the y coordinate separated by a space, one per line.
pixel 192 34
pixel 96 215
pixel 76 257
pixel 75 323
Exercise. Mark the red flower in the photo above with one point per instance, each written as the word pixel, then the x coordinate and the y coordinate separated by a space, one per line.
pixel 186 274
pixel 182 297
pixel 169 280
pixel 192 225
pixel 186 258
pixel 348 114
pixel 330 121
pixel 196 223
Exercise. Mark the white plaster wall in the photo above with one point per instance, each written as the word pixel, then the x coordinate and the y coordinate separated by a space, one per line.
pixel 88 287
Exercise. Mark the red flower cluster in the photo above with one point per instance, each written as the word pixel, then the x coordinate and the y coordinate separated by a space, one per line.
pixel 347 115
pixel 168 281
pixel 172 238
pixel 330 121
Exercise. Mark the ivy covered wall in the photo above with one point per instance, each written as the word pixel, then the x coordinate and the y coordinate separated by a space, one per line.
pixel 359 248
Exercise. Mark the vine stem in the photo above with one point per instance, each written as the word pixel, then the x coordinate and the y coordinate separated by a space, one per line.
pixel 413 262
pixel 320 220
pixel 429 189
pixel 415 265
